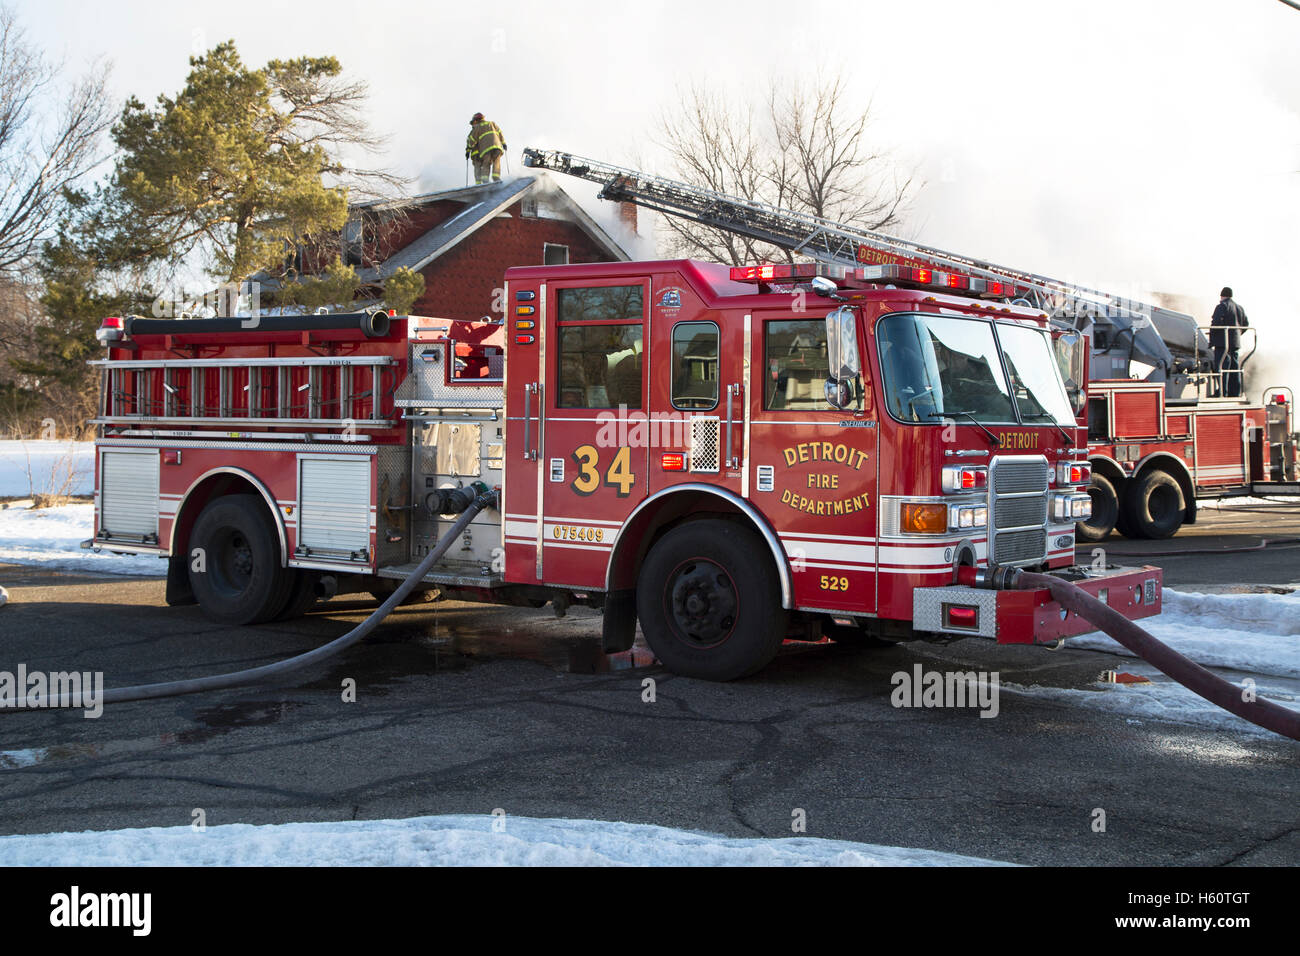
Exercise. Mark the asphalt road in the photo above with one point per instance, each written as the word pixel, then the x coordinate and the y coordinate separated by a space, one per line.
pixel 465 709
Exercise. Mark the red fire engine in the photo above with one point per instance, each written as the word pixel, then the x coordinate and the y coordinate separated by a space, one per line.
pixel 729 457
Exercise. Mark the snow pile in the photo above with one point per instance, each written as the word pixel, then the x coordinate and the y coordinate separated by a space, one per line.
pixel 459 840
pixel 51 538
pixel 46 467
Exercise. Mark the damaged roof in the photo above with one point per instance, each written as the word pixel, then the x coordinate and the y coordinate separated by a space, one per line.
pixel 482 205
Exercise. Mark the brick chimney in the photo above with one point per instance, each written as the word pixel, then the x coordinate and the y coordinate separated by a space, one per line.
pixel 627 216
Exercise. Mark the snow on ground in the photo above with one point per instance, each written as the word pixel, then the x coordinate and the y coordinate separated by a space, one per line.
pixel 451 841
pixel 1163 700
pixel 1253 635
pixel 45 467
pixel 1246 501
pixel 51 538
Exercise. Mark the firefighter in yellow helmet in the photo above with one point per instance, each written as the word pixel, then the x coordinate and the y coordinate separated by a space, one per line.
pixel 484 145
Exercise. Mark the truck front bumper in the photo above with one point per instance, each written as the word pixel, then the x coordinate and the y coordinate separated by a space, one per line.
pixel 1032 617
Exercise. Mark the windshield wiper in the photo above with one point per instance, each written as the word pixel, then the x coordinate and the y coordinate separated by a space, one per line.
pixel 1069 439
pixel 997 443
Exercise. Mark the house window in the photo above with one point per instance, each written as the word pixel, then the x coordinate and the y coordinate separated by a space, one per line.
pixel 528 208
pixel 554 255
pixel 352 242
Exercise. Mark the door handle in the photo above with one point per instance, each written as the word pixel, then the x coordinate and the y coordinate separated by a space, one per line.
pixel 732 390
pixel 529 453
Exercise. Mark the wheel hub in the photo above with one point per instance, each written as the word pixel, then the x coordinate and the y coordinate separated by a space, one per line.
pixel 702 602
pixel 234 563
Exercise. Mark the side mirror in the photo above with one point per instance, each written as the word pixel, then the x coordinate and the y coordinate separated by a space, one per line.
pixel 1070 359
pixel 842 345
pixel 838 394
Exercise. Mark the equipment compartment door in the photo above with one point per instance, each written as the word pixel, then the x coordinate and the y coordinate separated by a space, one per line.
pixel 593 470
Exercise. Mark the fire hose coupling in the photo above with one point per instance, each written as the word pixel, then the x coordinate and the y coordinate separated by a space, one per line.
pixel 990 579
pixel 454 501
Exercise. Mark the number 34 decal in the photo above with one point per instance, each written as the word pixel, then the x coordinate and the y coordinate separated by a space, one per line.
pixel 619 474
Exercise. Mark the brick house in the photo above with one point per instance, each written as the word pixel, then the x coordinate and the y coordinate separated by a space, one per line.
pixel 463 240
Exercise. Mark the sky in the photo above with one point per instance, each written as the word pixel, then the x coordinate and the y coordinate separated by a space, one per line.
pixel 1139 146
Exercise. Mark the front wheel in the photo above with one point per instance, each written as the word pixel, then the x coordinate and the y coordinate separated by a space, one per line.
pixel 708 597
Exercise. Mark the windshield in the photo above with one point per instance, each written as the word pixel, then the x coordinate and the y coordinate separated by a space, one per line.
pixel 1035 374
pixel 937 366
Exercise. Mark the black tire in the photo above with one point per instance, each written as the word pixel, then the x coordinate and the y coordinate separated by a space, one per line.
pixel 708 598
pixel 302 595
pixel 1155 505
pixel 242 581
pixel 1105 510
pixel 1122 523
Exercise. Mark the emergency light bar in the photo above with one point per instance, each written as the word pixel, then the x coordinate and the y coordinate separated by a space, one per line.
pixel 890 272
pixel 111 330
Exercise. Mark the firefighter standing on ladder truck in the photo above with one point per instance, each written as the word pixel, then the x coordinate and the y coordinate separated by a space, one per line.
pixel 1225 339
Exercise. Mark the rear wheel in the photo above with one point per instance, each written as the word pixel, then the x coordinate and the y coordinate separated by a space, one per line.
pixel 1155 505
pixel 236 575
pixel 302 595
pixel 1105 510
pixel 708 598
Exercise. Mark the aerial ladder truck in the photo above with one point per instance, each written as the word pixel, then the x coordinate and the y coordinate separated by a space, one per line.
pixel 1162 431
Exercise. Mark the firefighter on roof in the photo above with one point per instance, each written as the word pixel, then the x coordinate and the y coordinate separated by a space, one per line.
pixel 484 145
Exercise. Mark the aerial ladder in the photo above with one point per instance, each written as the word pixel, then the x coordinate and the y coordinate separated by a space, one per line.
pixel 1160 344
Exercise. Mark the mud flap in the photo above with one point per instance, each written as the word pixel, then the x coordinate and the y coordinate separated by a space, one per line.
pixel 618 627
pixel 178 582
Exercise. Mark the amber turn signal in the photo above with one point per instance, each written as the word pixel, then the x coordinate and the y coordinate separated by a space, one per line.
pixel 924 517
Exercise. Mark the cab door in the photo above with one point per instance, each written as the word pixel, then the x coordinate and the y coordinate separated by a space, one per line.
pixel 594 468
pixel 814 466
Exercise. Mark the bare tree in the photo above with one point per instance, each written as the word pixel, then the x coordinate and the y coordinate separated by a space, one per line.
pixel 50 137
pixel 809 152
pixel 318 107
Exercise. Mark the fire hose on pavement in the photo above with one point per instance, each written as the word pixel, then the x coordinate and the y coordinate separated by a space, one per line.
pixel 484 499
pixel 1221 693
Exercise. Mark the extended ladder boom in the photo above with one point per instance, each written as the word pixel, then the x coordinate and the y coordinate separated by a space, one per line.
pixel 1162 338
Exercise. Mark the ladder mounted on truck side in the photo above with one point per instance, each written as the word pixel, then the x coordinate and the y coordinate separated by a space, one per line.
pixel 308 392
pixel 1166 340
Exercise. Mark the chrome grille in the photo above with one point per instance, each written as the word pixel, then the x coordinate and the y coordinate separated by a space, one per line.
pixel 1019 512
pixel 1012 477
pixel 1019 502
pixel 1015 546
